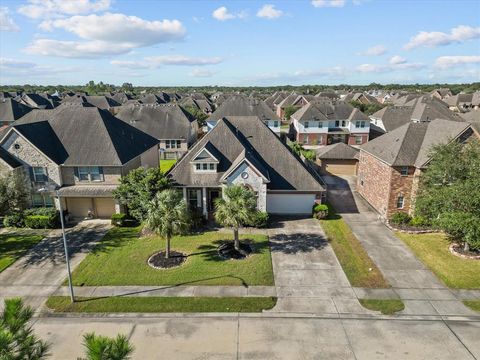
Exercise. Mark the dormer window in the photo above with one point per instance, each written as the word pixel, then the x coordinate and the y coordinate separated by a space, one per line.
pixel 205 167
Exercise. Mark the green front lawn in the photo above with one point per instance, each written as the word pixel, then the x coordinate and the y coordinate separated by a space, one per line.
pixel 473 304
pixel 166 165
pixel 386 307
pixel 432 250
pixel 14 244
pixel 121 259
pixel 352 256
pixel 161 304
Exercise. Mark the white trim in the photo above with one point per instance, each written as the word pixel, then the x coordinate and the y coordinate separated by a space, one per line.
pixel 209 153
pixel 230 171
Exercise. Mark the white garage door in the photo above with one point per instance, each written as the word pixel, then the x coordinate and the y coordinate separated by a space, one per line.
pixel 79 207
pixel 290 203
pixel 104 207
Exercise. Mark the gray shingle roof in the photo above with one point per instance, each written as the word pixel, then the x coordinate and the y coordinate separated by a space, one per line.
pixel 11 110
pixel 234 135
pixel 339 151
pixel 159 121
pixel 74 135
pixel 9 159
pixel 329 110
pixel 240 105
pixel 410 144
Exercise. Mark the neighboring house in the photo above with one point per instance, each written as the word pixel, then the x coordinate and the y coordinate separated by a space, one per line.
pixel 80 151
pixel 464 102
pixel 122 97
pixel 419 109
pixel 239 105
pixel 242 150
pixel 172 125
pixel 362 98
pixel 338 159
pixel 329 122
pixel 160 98
pixel 441 93
pixel 273 100
pixel 201 104
pixel 390 166
pixel 286 102
pixel 37 101
pixel 11 110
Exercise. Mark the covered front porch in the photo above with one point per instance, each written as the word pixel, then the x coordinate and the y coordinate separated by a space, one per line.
pixel 202 199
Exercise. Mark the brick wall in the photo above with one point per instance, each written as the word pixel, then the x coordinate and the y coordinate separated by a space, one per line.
pixel 400 185
pixel 352 141
pixel 313 139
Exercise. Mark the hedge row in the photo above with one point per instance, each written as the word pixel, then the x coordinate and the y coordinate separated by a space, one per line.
pixel 35 218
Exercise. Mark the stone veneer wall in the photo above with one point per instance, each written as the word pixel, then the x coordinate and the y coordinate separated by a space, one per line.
pixel 253 180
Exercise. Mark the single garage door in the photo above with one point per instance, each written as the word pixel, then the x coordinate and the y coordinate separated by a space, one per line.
pixel 79 207
pixel 290 203
pixel 340 167
pixel 105 207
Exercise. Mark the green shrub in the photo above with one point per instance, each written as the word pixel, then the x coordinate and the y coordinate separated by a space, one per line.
pixel 400 218
pixel 118 219
pixel 320 211
pixel 42 218
pixel 14 220
pixel 260 220
pixel 419 221
pixel 309 155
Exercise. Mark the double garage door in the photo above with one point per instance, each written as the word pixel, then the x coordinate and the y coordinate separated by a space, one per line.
pixel 340 167
pixel 101 207
pixel 290 204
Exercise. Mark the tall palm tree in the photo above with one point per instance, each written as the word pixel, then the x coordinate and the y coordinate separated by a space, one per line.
pixel 17 340
pixel 167 215
pixel 235 209
pixel 105 348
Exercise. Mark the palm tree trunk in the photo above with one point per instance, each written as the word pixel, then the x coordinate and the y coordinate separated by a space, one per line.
pixel 167 251
pixel 236 242
pixel 466 246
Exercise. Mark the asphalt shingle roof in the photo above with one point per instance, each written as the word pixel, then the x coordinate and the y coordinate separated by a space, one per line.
pixel 239 105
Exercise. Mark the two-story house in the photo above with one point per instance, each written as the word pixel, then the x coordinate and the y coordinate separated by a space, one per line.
pixel 171 124
pixel 80 151
pixel 243 151
pixel 239 105
pixel 329 122
pixel 390 166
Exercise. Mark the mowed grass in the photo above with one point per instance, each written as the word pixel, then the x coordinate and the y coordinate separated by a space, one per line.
pixel 473 304
pixel 432 250
pixel 121 259
pixel 161 304
pixel 14 244
pixel 385 306
pixel 352 256
pixel 166 165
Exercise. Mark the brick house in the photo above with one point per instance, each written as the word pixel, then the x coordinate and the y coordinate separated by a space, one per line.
pixel 80 151
pixel 329 122
pixel 390 166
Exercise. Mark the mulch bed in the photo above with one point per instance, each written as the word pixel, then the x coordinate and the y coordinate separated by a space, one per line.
pixel 458 250
pixel 228 251
pixel 159 261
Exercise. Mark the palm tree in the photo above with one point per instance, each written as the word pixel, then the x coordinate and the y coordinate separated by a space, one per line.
pixel 17 340
pixel 167 215
pixel 236 209
pixel 105 348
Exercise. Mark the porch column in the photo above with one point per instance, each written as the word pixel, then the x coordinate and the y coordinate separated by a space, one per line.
pixel 204 202
pixel 184 190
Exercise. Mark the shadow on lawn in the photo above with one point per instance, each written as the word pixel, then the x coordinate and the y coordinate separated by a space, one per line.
pixel 209 252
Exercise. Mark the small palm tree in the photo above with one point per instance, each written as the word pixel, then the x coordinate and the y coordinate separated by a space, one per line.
pixel 236 209
pixel 17 340
pixel 105 348
pixel 167 215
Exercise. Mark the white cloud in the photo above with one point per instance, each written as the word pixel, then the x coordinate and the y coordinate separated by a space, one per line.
pixel 107 34
pixel 382 68
pixel 436 38
pixel 45 9
pixel 153 62
pixel 6 22
pixel 333 73
pixel 376 50
pixel 268 11
pixel 15 63
pixel 328 3
pixel 397 59
pixel 446 62
pixel 222 14
pixel 202 73
pixel 16 67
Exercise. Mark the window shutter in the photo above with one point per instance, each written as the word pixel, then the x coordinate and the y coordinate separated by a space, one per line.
pixel 75 172
pixel 30 171
pixel 100 171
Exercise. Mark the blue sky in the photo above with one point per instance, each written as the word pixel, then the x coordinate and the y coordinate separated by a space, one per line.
pixel 239 43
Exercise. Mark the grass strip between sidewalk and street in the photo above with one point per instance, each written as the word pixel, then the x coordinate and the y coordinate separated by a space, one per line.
pixel 472 304
pixel 385 306
pixel 160 304
pixel 432 250
pixel 360 270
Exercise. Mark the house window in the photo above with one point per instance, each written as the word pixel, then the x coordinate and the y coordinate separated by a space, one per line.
pixel 337 123
pixel 275 123
pixel 39 200
pixel 320 124
pixel 306 125
pixel 192 198
pixel 360 124
pixel 173 144
pixel 404 171
pixel 90 173
pixel 344 123
pixel 358 140
pixel 211 166
pixel 40 174
pixel 205 167
pixel 400 202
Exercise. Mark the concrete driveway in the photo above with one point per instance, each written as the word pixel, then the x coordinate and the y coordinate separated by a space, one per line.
pixel 308 276
pixel 42 270
pixel 422 291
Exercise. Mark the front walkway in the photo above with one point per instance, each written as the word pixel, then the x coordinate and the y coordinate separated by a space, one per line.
pixel 421 290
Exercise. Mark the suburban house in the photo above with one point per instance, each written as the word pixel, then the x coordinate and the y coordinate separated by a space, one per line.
pixel 80 151
pixel 441 93
pixel 11 110
pixel 329 122
pixel 286 102
pixel 172 125
pixel 361 98
pixel 276 98
pixel 390 166
pixel 418 109
pixel 338 159
pixel 239 105
pixel 37 101
pixel 464 102
pixel 242 150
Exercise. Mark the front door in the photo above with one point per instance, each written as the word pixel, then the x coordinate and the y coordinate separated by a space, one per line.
pixel 212 195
